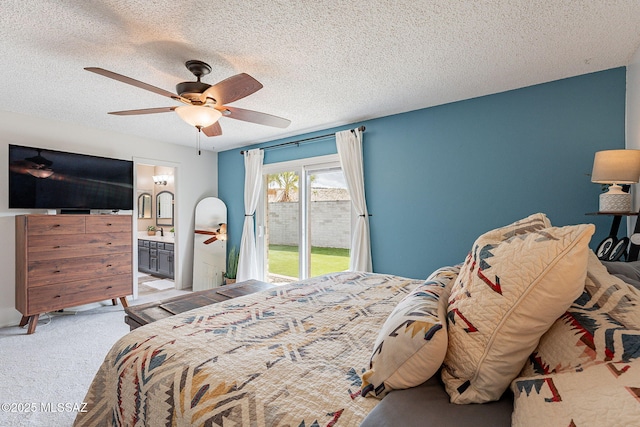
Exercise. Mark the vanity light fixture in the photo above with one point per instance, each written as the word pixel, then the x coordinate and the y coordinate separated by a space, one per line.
pixel 160 179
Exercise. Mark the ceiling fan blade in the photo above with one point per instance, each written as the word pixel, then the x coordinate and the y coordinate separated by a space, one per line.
pixel 143 111
pixel 254 117
pixel 232 89
pixel 211 240
pixel 213 130
pixel 210 233
pixel 136 83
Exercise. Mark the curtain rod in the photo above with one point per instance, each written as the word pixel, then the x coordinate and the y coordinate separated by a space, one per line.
pixel 361 129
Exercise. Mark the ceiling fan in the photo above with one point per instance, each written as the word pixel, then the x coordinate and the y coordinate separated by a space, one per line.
pixel 37 166
pixel 204 103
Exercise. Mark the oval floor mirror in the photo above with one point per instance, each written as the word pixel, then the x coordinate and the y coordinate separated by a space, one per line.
pixel 210 244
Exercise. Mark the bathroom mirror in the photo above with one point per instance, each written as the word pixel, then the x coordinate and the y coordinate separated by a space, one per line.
pixel 144 206
pixel 164 208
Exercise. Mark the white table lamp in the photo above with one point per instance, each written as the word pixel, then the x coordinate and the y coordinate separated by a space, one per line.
pixel 616 167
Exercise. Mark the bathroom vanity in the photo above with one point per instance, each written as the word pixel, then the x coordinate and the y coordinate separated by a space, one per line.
pixel 155 255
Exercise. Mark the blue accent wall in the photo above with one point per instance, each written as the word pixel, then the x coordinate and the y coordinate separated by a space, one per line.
pixel 437 178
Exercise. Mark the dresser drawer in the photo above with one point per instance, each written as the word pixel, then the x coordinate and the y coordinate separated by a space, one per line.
pixel 70 269
pixel 74 246
pixel 46 298
pixel 86 291
pixel 109 224
pixel 38 225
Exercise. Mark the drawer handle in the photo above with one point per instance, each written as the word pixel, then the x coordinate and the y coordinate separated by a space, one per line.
pixel 56 247
pixel 56 225
pixel 109 265
pixel 109 225
pixel 108 243
pixel 57 296
pixel 56 271
pixel 109 287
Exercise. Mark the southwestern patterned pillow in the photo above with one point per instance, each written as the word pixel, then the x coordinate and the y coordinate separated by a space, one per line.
pixel 413 340
pixel 602 395
pixel 602 325
pixel 526 225
pixel 508 293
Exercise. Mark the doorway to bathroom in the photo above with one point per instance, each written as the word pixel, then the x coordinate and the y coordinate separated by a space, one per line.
pixel 155 242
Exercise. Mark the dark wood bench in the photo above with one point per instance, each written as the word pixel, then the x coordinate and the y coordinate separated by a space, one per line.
pixel 139 315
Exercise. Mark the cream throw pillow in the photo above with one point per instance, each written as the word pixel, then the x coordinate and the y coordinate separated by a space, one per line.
pixel 412 343
pixel 602 325
pixel 510 290
pixel 534 222
pixel 600 395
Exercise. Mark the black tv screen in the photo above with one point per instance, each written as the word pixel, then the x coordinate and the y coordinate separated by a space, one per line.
pixel 49 179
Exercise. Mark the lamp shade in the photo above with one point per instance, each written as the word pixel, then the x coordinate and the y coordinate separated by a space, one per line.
pixel 616 167
pixel 198 116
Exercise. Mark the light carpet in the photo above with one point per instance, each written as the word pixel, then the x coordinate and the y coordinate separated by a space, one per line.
pixel 56 364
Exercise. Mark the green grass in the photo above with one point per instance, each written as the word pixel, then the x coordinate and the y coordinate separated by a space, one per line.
pixel 284 260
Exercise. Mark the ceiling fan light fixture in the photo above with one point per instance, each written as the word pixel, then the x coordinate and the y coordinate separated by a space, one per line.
pixel 198 116
pixel 39 166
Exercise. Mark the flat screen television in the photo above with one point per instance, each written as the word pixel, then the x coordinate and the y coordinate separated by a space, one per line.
pixel 49 179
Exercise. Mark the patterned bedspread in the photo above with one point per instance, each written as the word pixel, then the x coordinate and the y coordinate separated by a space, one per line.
pixel 289 356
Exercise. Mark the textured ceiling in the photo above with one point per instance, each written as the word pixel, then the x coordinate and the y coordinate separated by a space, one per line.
pixel 322 63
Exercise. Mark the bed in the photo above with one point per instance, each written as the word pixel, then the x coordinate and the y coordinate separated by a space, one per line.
pixel 291 356
pixel 531 329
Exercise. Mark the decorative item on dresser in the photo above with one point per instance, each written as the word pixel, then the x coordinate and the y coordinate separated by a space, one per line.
pixel 70 260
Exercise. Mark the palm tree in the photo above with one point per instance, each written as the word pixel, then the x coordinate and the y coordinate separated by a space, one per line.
pixel 286 182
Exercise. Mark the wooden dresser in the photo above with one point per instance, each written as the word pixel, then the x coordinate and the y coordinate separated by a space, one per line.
pixel 68 260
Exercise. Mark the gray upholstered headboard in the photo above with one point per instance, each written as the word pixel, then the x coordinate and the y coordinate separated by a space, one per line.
pixel 627 271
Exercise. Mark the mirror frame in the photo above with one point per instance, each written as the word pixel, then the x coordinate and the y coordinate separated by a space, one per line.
pixel 167 221
pixel 141 199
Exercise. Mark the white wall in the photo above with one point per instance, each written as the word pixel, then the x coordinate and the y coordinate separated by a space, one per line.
pixel 196 178
pixel 633 121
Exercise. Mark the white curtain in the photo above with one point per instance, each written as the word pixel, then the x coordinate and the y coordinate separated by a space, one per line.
pixel 248 262
pixel 349 143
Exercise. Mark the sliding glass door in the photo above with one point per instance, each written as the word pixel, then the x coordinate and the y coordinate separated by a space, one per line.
pixel 304 220
pixel 328 221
